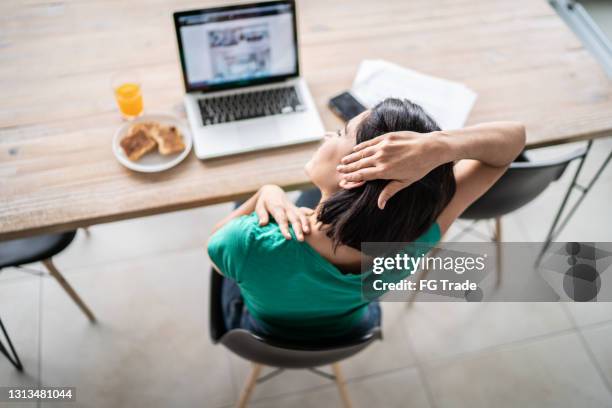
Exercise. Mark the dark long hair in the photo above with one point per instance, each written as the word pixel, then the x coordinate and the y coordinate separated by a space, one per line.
pixel 352 216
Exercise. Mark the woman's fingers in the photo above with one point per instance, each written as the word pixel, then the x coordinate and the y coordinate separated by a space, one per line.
pixel 370 173
pixel 389 191
pixel 296 224
pixel 280 216
pixel 304 220
pixel 358 156
pixel 262 212
pixel 359 164
pixel 368 143
pixel 306 211
pixel 347 185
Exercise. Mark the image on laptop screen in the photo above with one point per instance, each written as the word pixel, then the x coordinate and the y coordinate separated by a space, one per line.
pixel 222 47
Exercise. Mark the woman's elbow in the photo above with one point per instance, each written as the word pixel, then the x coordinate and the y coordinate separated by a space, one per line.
pixel 514 140
pixel 519 136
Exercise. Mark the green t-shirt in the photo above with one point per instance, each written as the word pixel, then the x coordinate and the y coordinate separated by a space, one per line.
pixel 288 287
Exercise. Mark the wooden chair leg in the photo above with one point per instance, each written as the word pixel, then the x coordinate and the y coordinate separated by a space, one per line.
pixel 245 395
pixel 422 275
pixel 69 290
pixel 498 253
pixel 341 385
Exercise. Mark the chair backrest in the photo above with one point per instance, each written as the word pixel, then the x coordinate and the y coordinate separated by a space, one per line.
pixel 278 352
pixel 522 182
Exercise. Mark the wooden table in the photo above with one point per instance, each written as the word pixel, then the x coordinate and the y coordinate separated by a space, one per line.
pixel 57 113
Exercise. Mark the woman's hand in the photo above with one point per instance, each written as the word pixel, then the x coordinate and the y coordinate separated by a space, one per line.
pixel 402 157
pixel 272 200
pixel 405 157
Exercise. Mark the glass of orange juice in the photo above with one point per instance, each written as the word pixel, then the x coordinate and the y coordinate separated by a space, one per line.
pixel 128 95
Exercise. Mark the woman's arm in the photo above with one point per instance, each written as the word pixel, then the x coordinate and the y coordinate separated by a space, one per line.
pixel 495 144
pixel 271 199
pixel 483 153
pixel 245 209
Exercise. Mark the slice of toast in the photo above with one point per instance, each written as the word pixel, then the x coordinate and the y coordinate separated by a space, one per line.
pixel 137 144
pixel 169 139
pixel 148 127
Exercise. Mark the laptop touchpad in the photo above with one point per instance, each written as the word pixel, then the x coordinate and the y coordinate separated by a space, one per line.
pixel 258 132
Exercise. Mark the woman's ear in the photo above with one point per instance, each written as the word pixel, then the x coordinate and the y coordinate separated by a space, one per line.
pixel 347 185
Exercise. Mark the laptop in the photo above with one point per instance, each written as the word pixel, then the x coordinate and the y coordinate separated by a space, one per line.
pixel 242 79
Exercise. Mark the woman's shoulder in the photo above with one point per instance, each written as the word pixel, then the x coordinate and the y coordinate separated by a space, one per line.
pixel 230 239
pixel 246 230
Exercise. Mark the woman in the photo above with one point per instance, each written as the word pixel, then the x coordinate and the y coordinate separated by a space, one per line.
pixel 310 286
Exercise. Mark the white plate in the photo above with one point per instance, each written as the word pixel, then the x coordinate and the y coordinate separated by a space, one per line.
pixel 153 162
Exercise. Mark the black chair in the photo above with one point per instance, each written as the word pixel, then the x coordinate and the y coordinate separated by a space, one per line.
pixel 42 248
pixel 281 354
pixel 522 183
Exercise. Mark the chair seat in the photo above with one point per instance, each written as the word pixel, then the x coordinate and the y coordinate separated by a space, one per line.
pixel 27 250
pixel 276 353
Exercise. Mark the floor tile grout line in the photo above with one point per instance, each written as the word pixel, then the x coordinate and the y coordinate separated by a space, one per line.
pixel 595 363
pixel 332 385
pixel 429 394
pixel 71 270
pixel 497 347
pixel 81 269
pixel 40 333
pixel 352 380
pixel 589 351
pixel 235 386
pixel 19 278
pixel 595 325
pixel 291 393
pixel 377 374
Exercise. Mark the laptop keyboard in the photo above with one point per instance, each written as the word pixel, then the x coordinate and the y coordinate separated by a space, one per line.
pixel 248 105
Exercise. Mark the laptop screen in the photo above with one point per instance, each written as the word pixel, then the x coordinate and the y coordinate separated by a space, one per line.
pixel 236 46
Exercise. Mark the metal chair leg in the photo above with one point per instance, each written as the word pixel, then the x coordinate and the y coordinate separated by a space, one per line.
pixel 14 359
pixel 558 225
pixel 245 395
pixel 339 377
pixel 69 290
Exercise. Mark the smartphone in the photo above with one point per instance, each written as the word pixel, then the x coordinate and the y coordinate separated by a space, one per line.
pixel 346 106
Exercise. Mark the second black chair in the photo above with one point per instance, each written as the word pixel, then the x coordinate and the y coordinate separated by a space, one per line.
pixel 42 248
pixel 523 182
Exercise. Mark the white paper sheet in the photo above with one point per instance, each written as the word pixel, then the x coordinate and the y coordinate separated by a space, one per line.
pixel 448 102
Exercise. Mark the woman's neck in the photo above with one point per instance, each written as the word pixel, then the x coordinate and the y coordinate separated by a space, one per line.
pixel 344 257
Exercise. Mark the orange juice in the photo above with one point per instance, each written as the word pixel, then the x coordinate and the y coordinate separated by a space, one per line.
pixel 129 99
